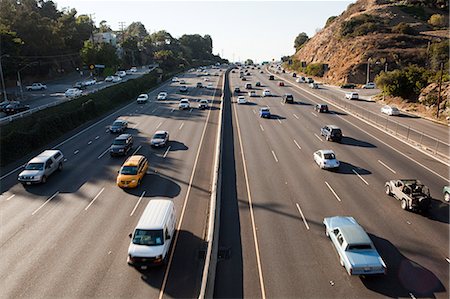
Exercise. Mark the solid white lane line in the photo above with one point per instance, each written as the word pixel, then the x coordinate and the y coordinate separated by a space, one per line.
pixel 137 204
pixel 274 156
pixel 90 142
pixel 252 216
pixel 303 216
pixel 102 154
pixel 139 147
pixel 76 152
pixel 282 103
pixel 159 125
pixel 167 151
pixel 92 201
pixel 190 110
pixel 97 137
pixel 295 115
pixel 135 126
pixel 262 129
pixel 331 189
pixel 154 109
pixel 317 136
pixel 448 260
pixel 65 160
pixel 173 109
pixel 412 296
pixel 182 124
pixel 279 120
pixel 254 112
pixel 11 197
pixel 381 162
pixel 299 147
pixel 314 114
pixel 354 171
pixel 183 209
pixel 42 205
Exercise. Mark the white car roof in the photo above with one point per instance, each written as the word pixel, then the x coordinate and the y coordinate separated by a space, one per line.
pixel 184 100
pixel 326 151
pixel 161 132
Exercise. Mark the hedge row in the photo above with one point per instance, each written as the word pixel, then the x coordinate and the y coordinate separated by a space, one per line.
pixel 19 138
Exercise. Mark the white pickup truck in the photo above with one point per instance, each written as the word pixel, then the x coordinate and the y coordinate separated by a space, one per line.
pixel 351 95
pixel 36 86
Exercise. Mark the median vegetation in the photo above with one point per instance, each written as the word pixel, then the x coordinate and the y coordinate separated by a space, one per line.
pixel 19 138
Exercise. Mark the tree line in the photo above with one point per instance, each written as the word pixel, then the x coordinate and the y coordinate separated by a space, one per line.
pixel 38 39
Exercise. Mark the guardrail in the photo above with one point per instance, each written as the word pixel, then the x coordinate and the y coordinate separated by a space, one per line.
pixel 10 118
pixel 432 145
pixel 209 269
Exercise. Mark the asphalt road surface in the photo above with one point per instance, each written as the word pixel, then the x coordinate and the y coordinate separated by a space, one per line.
pixel 69 237
pixel 277 198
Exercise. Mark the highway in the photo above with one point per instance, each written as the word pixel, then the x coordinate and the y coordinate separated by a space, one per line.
pixel 370 109
pixel 277 198
pixel 69 237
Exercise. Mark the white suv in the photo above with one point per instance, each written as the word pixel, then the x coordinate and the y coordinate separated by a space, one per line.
pixel 184 104
pixel 351 95
pixel 41 167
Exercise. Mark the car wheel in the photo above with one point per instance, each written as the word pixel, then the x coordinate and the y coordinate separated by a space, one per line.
pixel 60 166
pixel 327 137
pixel 388 190
pixel 404 204
pixel 44 179
pixel 447 196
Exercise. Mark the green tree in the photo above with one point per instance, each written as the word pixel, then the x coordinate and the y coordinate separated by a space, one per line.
pixel 437 20
pixel 300 40
pixel 249 62
pixel 104 27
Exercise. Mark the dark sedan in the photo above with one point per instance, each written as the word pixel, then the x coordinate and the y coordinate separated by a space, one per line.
pixel 16 107
pixel 118 126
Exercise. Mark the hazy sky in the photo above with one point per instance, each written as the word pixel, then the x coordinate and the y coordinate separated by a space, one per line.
pixel 260 30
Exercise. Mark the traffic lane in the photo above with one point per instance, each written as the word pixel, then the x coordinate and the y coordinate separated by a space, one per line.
pixel 288 155
pixel 279 223
pixel 109 196
pixel 430 128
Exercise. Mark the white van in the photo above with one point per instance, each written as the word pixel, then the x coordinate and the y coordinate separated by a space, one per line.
pixel 151 239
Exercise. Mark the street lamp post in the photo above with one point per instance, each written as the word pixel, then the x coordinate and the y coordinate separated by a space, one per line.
pixel 368 70
pixel 19 79
pixel 5 98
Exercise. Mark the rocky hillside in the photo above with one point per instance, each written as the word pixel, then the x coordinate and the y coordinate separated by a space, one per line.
pixel 390 34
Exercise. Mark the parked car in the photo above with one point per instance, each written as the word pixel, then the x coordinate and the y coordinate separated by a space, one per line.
pixel 281 83
pixel 159 139
pixel 89 82
pixel 73 93
pixel 41 167
pixel 314 85
pixel 118 126
pixel 109 79
pixel 121 145
pixel 183 88
pixel 390 110
pixel 357 253
pixel 36 86
pixel 175 79
pixel 15 107
pixel 326 159
pixel 369 85
pixel 446 193
pixel 162 96
pixel 352 95
pixel 321 108
pixel 116 79
pixel 348 86
pixel 80 85
pixel 241 100
pixel 121 74
pixel 182 82
pixel 132 172
pixel 142 98
pixel 412 194
pixel 203 104
pixel 288 98
pixel 184 104
pixel 266 93
pixel 264 112
pixel 331 133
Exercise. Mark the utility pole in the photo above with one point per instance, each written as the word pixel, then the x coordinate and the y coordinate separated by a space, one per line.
pixel 92 28
pixel 368 71
pixel 439 90
pixel 122 26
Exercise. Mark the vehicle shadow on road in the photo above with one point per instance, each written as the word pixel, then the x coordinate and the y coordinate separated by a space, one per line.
pixel 337 113
pixel 404 115
pixel 156 185
pixel 404 278
pixel 300 103
pixel 355 142
pixel 439 211
pixel 276 116
pixel 347 168
pixel 177 146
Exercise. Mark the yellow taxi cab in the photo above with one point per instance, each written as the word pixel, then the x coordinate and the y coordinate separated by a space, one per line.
pixel 132 172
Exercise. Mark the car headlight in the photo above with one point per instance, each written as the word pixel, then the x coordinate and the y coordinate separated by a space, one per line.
pixel 121 150
pixel 133 181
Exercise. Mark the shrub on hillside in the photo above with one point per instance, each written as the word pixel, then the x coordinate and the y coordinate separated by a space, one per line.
pixel 406 83
pixel 362 25
pixel 314 69
pixel 330 20
pixel 403 28
pixel 437 20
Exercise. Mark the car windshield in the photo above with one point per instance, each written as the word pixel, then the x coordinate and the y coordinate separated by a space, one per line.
pixel 130 170
pixel 159 136
pixel 34 166
pixel 329 156
pixel 148 237
pixel 359 247
pixel 119 142
pixel 117 124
